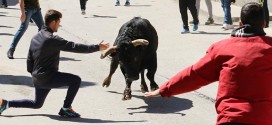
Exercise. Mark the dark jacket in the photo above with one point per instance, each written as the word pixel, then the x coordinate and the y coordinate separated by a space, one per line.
pixel 44 53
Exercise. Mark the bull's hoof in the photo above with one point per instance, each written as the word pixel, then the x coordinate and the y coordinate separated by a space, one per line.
pixel 106 82
pixel 127 95
pixel 144 88
pixel 153 88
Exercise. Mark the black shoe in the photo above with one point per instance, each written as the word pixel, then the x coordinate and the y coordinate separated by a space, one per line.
pixel 127 3
pixel 10 53
pixel 69 113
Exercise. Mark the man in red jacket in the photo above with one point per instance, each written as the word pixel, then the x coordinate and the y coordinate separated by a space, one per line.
pixel 243 66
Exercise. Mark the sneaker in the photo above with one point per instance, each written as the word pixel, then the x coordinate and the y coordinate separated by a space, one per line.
pixel 195 27
pixel 227 26
pixel 209 21
pixel 185 30
pixel 117 4
pixel 10 53
pixel 3 106
pixel 127 3
pixel 83 12
pixel 69 113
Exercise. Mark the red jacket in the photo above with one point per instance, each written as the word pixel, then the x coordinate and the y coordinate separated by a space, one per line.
pixel 243 67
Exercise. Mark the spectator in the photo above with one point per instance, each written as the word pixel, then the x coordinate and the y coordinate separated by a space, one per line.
pixel 227 14
pixel 4 4
pixel 183 6
pixel 209 7
pixel 29 9
pixel 83 6
pixel 242 64
pixel 117 3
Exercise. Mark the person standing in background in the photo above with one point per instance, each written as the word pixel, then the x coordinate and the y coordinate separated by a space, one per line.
pixel 210 11
pixel 4 4
pixel 227 24
pixel 117 3
pixel 183 6
pixel 83 6
pixel 30 9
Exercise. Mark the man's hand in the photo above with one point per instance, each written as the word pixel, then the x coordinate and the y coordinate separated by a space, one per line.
pixel 103 46
pixel 23 17
pixel 155 93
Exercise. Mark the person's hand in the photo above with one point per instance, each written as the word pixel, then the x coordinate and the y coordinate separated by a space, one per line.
pixel 23 17
pixel 155 93
pixel 103 46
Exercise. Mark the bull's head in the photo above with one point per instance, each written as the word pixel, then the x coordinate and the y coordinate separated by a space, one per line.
pixel 130 56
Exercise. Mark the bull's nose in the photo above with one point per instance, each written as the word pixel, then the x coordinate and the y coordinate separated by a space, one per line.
pixel 132 78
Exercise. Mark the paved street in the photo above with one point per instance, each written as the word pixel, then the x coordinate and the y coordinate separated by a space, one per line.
pixel 98 105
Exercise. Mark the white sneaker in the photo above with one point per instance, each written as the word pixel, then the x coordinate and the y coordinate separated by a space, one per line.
pixel 227 26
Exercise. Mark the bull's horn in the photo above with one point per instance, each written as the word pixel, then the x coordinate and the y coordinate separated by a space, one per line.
pixel 108 51
pixel 139 42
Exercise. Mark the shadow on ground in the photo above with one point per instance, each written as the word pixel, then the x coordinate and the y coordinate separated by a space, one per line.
pixel 27 81
pixel 79 120
pixel 161 105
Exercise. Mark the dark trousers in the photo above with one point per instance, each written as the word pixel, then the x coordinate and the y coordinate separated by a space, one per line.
pixel 83 4
pixel 183 5
pixel 4 2
pixel 41 91
pixel 232 123
pixel 266 13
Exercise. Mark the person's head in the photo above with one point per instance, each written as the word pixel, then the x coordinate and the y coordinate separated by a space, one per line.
pixel 252 13
pixel 52 19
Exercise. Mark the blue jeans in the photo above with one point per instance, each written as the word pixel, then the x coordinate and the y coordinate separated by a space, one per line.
pixel 34 14
pixel 227 11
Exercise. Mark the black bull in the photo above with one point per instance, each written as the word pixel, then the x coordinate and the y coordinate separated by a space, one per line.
pixel 134 50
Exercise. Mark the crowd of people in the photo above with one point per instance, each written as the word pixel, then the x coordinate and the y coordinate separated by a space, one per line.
pixel 241 64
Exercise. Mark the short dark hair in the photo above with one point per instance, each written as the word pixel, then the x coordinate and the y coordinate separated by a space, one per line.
pixel 52 15
pixel 252 13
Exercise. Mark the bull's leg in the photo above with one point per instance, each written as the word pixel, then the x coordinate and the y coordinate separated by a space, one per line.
pixel 153 84
pixel 143 83
pixel 113 67
pixel 127 92
pixel 151 70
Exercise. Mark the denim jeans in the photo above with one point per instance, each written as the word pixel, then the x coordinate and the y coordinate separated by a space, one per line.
pixel 36 16
pixel 227 11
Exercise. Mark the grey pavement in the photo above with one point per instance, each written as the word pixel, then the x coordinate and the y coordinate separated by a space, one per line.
pixel 96 104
